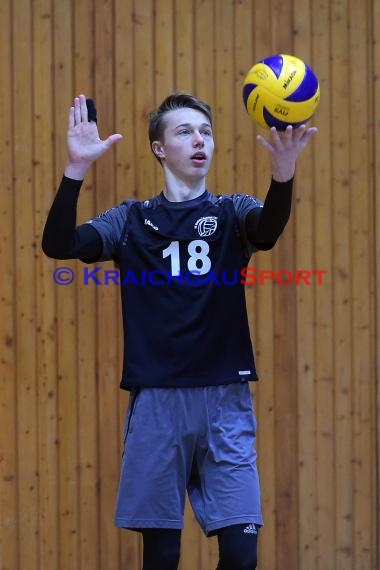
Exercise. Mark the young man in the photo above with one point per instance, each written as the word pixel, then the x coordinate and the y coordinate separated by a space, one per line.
pixel 190 424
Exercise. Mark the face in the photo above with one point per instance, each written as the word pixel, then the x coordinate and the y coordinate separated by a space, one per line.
pixel 188 145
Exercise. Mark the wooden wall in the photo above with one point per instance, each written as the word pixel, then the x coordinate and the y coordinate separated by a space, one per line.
pixel 318 400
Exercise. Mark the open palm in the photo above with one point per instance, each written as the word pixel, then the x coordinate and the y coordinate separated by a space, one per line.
pixel 83 141
pixel 285 148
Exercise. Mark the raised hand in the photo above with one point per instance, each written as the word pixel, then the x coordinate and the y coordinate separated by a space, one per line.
pixel 83 142
pixel 285 147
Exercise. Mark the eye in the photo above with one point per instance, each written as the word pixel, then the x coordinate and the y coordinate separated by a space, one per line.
pixel 207 133
pixel 184 132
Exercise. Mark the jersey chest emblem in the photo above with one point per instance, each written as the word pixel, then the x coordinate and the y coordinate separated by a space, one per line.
pixel 149 223
pixel 206 226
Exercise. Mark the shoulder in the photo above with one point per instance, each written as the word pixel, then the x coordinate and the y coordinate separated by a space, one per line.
pixel 114 214
pixel 150 204
pixel 242 203
pixel 111 223
pixel 247 200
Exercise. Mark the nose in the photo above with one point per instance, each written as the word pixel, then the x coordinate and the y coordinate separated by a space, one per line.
pixel 198 139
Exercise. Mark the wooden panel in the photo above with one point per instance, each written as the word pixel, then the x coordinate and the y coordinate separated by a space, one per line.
pixel 363 428
pixel 67 333
pixel 285 359
pixel 144 96
pixel 324 332
pixel 9 522
pixel 304 232
pixel 163 49
pixel 88 425
pixel 130 548
pixel 46 329
pixel 375 106
pixel 204 45
pixel 107 297
pixel 341 275
pixel 224 98
pixel 185 16
pixel 163 65
pixel 263 332
pixel 25 285
pixel 316 346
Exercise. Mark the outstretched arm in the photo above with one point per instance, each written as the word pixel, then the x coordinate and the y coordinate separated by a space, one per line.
pixel 62 239
pixel 83 142
pixel 265 225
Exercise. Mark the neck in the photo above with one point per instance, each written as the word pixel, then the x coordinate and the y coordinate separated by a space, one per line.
pixel 179 190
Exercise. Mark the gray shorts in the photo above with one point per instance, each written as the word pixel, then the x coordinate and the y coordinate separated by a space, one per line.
pixel 197 439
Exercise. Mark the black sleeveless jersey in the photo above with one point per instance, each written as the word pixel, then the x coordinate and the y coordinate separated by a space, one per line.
pixel 183 300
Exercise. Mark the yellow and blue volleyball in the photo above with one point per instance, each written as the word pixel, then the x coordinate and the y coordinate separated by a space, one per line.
pixel 281 90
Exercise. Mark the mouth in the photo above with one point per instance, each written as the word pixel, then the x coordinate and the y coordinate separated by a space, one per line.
pixel 199 157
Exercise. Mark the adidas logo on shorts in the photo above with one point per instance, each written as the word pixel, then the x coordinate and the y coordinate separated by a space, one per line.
pixel 250 529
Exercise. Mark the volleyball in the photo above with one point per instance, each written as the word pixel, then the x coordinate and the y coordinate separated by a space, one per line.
pixel 281 90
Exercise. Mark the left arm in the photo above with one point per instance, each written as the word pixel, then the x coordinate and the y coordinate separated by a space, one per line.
pixel 265 225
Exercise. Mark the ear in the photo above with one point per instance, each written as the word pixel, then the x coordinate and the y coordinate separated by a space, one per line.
pixel 157 149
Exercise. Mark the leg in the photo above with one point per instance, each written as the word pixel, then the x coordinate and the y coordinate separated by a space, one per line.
pixel 161 548
pixel 238 547
pixel 224 487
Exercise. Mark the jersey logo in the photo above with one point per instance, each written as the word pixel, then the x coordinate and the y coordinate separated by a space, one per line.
pixel 149 223
pixel 206 226
pixel 250 529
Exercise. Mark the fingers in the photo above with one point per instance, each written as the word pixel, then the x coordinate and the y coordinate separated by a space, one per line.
pixel 263 141
pixel 302 136
pixel 77 115
pixel 113 139
pixel 299 132
pixel 80 110
pixel 83 108
pixel 288 137
pixel 71 118
pixel 280 139
pixel 309 133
